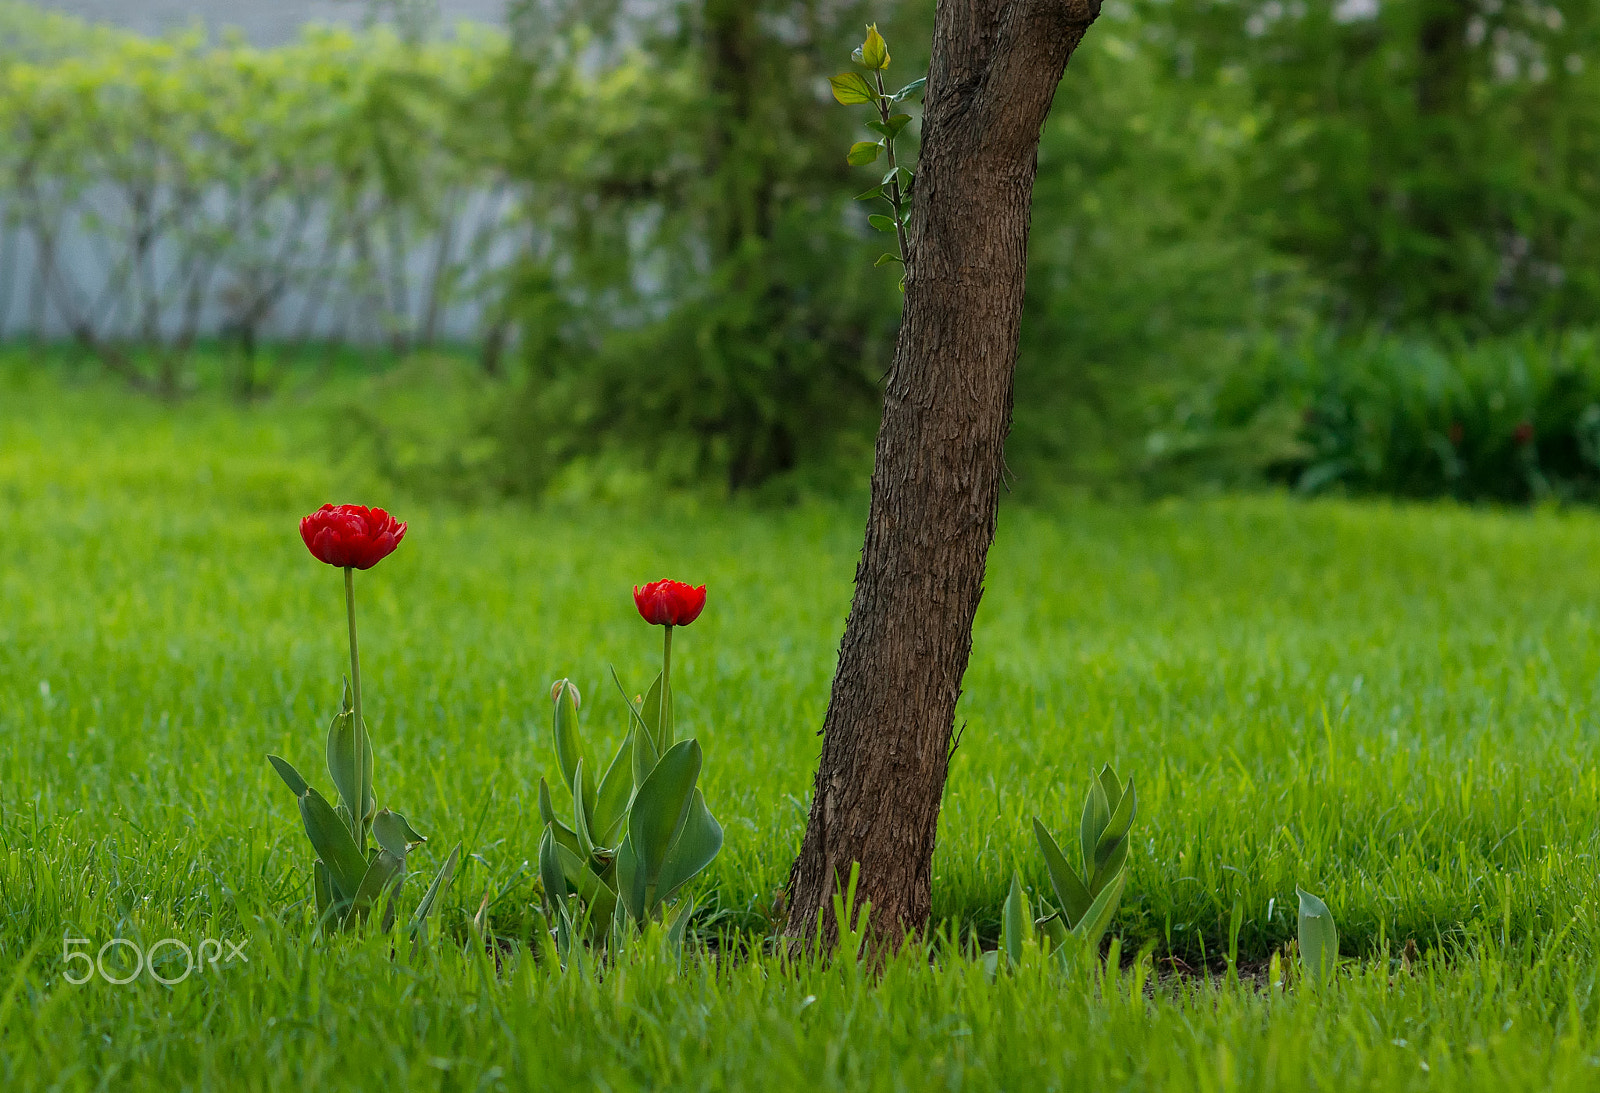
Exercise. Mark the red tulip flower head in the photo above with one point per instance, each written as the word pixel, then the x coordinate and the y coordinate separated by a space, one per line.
pixel 669 603
pixel 351 536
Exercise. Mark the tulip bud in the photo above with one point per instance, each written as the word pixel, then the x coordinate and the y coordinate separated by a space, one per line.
pixel 555 692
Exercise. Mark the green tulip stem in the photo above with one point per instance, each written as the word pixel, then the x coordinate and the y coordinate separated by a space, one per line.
pixel 359 737
pixel 666 686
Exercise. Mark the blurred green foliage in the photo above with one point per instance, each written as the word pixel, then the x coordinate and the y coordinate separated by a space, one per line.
pixel 1254 220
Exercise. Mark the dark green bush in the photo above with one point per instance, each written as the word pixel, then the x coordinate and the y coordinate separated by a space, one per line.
pixel 1513 419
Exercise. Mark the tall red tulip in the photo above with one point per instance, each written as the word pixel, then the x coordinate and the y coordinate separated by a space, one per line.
pixel 668 604
pixel 353 537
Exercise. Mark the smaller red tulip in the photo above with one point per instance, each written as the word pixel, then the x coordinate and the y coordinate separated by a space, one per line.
pixel 669 603
pixel 351 536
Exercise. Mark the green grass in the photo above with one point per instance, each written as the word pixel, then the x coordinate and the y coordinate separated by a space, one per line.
pixel 1392 706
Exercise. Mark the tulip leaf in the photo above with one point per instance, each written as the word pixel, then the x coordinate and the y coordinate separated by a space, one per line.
pixel 1096 814
pixel 341 763
pixel 547 814
pixel 657 713
pixel 568 739
pixel 384 871
pixel 322 888
pixel 550 872
pixel 334 844
pixel 660 810
pixel 1319 937
pixel 1109 782
pixel 1016 922
pixel 697 844
pixel 1092 927
pixel 291 777
pixel 611 801
pixel 394 833
pixel 580 814
pixel 1053 932
pixel 630 880
pixel 644 756
pixel 1115 836
pixel 598 898
pixel 1070 892
pixel 679 930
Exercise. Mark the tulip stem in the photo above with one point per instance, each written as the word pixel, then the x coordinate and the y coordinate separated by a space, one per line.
pixel 666 689
pixel 359 736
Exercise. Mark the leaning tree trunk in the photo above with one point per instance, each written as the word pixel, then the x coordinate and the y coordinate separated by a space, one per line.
pixel 936 482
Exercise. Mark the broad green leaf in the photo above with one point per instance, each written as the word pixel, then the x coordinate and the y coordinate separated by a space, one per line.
pixel 656 710
pixel 290 776
pixel 852 88
pixel 679 930
pixel 1092 927
pixel 876 191
pixel 863 152
pixel 885 258
pixel 384 870
pixel 894 173
pixel 611 801
pixel 333 842
pixel 891 128
pixel 341 751
pixel 1115 836
pixel 660 809
pixel 1016 922
pixel 567 737
pixel 1319 938
pixel 547 815
pixel 1053 931
pixel 551 874
pixel 1113 866
pixel 644 757
pixel 1096 814
pixel 697 844
pixel 909 90
pixel 322 888
pixel 394 834
pixel 580 814
pixel 875 51
pixel 630 880
pixel 598 899
pixel 1070 892
pixel 881 222
pixel 1113 788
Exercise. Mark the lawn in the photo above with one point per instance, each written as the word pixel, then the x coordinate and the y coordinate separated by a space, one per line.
pixel 1393 707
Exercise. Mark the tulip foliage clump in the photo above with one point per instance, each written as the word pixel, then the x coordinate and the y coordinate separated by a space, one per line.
pixel 350 877
pixel 639 831
pixel 1087 901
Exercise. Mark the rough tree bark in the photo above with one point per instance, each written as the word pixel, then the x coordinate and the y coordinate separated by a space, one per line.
pixel 936 481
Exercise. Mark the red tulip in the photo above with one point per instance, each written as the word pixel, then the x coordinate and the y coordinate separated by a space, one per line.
pixel 669 603
pixel 352 536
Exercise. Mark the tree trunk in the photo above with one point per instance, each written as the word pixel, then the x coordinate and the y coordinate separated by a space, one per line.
pixel 936 481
